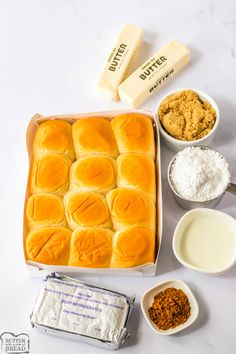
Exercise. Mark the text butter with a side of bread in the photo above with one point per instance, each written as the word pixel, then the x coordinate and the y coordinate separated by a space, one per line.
pixel 92 193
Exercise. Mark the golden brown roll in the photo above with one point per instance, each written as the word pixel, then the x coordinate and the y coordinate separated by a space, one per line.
pixel 130 208
pixel 134 133
pixel 137 171
pixel 91 248
pixel 133 246
pixel 50 173
pixel 48 245
pixel 94 136
pixel 93 173
pixel 54 136
pixel 86 209
pixel 45 209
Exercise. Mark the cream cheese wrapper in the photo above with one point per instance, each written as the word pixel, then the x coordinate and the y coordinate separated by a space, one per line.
pixel 73 309
pixel 154 73
pixel 116 66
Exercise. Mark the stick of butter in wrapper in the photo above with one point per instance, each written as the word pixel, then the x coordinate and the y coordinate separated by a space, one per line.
pixel 69 308
pixel 116 66
pixel 154 73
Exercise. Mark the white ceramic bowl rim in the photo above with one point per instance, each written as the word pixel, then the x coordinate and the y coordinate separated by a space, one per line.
pixel 191 297
pixel 202 95
pixel 181 260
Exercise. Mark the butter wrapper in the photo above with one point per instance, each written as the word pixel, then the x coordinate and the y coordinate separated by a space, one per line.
pixel 154 73
pixel 119 60
pixel 69 308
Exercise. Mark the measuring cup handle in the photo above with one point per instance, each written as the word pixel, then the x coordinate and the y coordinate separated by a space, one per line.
pixel 232 188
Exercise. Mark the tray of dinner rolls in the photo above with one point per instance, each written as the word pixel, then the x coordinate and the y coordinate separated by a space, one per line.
pixel 93 201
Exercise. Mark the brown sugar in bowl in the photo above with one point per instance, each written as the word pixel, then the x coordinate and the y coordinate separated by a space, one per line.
pixel 176 144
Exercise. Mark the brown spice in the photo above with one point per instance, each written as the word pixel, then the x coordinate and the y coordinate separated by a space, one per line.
pixel 185 116
pixel 170 308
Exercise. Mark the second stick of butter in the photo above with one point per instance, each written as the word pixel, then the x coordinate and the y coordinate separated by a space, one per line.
pixel 154 73
pixel 116 66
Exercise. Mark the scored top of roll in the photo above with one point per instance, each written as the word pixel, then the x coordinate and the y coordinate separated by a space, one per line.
pixel 129 207
pixel 45 209
pixel 94 173
pixel 86 209
pixel 48 245
pixel 91 247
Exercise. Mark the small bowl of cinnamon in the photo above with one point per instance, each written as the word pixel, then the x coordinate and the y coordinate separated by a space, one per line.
pixel 169 307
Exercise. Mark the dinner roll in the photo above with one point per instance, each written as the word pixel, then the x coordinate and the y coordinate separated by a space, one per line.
pixel 133 246
pixel 94 173
pixel 44 209
pixel 54 136
pixel 137 171
pixel 134 133
pixel 50 173
pixel 91 248
pixel 48 245
pixel 94 136
pixel 130 207
pixel 86 209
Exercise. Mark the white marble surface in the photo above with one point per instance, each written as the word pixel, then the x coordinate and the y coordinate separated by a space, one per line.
pixel 50 55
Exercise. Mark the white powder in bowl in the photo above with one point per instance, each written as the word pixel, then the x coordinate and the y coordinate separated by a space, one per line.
pixel 199 174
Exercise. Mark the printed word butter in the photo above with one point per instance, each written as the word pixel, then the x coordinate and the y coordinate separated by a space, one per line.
pixel 154 73
pixel 120 58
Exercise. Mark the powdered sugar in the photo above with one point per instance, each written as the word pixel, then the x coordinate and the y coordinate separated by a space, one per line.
pixel 199 174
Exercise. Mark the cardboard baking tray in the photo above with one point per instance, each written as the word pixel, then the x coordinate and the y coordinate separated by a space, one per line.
pixel 39 269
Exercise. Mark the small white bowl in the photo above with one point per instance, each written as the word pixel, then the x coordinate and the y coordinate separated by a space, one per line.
pixel 207 249
pixel 177 145
pixel 148 298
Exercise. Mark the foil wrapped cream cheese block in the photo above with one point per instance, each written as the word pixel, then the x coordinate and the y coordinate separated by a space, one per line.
pixel 116 66
pixel 154 73
pixel 69 308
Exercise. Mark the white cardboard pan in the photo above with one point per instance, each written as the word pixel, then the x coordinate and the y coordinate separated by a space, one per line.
pixel 39 269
